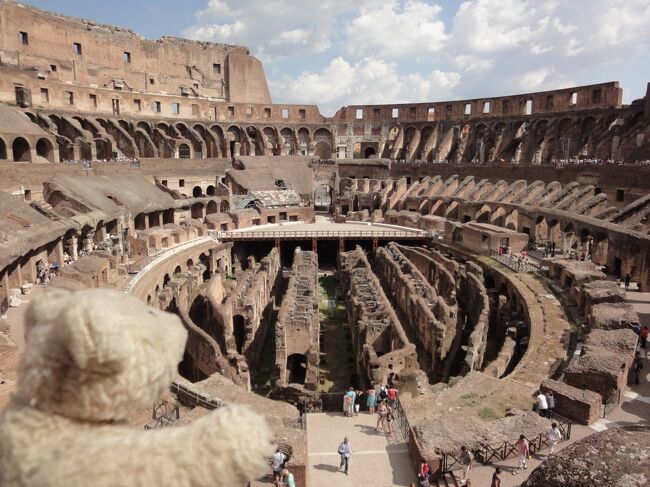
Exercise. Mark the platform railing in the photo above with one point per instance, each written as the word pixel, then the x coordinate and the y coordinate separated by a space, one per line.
pixel 309 234
pixel 486 454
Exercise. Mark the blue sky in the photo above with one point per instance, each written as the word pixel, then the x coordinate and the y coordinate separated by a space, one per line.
pixel 338 52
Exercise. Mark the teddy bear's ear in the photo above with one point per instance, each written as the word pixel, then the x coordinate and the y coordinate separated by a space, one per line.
pixel 92 338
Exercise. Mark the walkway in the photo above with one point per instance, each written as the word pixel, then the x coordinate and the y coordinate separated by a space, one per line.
pixel 376 460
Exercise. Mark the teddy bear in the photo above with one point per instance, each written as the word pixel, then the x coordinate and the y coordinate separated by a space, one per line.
pixel 92 359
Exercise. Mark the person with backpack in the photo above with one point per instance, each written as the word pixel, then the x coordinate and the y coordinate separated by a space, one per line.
pixel 466 459
pixel 382 394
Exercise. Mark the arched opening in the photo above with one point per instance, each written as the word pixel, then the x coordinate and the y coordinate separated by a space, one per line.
pixel 197 211
pixel 369 152
pixel 224 206
pixel 239 332
pixel 140 221
pixel 212 207
pixel 45 150
pixel 184 151
pixel 189 263
pixel 166 280
pixel 168 216
pixel 197 191
pixel 297 368
pixel 3 149
pixel 177 271
pixel 210 190
pixel 21 150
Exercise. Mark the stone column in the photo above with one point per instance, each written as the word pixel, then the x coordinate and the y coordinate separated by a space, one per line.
pixel 87 242
pixel 72 246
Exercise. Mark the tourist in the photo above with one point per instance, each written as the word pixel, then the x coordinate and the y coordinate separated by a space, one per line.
pixel 550 404
pixel 357 402
pixel 542 405
pixel 423 474
pixel 628 278
pixel 643 336
pixel 496 480
pixel 288 479
pixel 371 402
pixel 381 415
pixel 345 450
pixel 389 419
pixel 351 395
pixel 554 437
pixel 392 396
pixel 523 449
pixel 637 365
pixel 466 459
pixel 277 462
pixel 382 393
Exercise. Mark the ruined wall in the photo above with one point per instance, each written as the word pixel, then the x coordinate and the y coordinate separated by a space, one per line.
pixel 429 320
pixel 59 49
pixel 297 330
pixel 381 345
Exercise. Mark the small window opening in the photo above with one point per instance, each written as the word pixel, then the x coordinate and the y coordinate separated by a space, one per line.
pixel 549 102
pixel 468 108
pixel 45 95
pixel 138 104
pixel 395 112
pixel 267 113
pixel 596 95
pixel 53 68
pixel 285 113
pixel 155 106
pixel 574 99
pixel 302 113
pixel 359 113
pixel 176 108
pixel 127 57
pixel 249 111
pixel 181 183
pixel 486 107
pixel 431 114
pixel 69 97
pixel 76 47
pixel 620 194
pixel 93 100
pixel 231 111
pixel 216 68
pixel 151 81
pixel 528 110
pixel 24 38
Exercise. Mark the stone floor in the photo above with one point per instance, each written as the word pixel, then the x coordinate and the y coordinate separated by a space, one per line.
pixel 376 460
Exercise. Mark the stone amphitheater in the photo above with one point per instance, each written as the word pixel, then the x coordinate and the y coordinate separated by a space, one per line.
pixel 435 247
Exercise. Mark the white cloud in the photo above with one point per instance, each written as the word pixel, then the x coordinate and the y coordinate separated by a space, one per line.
pixel 274 29
pixel 390 30
pixel 295 36
pixel 367 81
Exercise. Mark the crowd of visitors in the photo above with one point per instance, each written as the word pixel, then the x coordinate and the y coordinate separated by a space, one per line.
pixel 88 163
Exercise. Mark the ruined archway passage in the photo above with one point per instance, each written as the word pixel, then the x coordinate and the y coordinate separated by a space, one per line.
pixel 297 368
pixel 239 332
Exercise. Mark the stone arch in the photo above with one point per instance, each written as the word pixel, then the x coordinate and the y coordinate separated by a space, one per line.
pixel 3 149
pixel 483 214
pixel 140 221
pixel 22 150
pixel 498 217
pixel 197 211
pixel 303 141
pixel 239 332
pixel 184 151
pixel 212 207
pixel 197 191
pixel 296 368
pixel 369 152
pixel 166 280
pixel 235 141
pixel 453 210
pixel 45 150
pixel 511 221
pixel 541 228
pixel 224 206
pixel 210 190
pixel 289 141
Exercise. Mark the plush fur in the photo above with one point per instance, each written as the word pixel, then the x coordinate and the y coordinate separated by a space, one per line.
pixel 92 359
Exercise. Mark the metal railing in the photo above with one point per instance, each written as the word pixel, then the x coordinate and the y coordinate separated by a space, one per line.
pixel 508 449
pixel 401 419
pixel 514 262
pixel 309 234
pixel 191 397
pixel 164 413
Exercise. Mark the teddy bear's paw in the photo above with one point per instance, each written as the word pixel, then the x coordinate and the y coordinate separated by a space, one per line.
pixel 239 440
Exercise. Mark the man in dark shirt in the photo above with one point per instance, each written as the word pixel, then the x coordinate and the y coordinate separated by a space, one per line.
pixel 496 480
